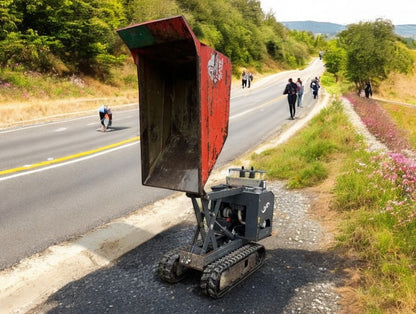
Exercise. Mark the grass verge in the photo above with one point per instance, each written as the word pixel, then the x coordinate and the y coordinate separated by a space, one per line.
pixel 305 160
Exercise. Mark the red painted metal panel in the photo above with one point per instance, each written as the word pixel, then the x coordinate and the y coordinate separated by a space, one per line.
pixel 184 96
pixel 215 104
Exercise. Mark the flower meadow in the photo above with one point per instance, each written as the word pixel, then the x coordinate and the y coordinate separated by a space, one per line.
pixel 402 171
pixel 378 122
pixel 400 165
pixel 378 195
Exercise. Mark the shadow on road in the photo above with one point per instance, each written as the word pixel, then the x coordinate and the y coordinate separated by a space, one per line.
pixel 117 128
pixel 131 285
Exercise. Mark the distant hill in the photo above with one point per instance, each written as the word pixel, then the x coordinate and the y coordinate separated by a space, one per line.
pixel 331 29
pixel 325 28
pixel 406 30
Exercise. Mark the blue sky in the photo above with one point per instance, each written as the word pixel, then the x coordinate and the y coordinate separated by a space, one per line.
pixel 342 11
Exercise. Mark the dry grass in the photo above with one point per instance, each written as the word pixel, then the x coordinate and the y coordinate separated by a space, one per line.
pixel 405 119
pixel 399 87
pixel 21 113
pixel 29 97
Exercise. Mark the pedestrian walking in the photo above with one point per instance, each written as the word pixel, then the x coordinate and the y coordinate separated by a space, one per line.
pixel 291 91
pixel 368 90
pixel 244 79
pixel 315 87
pixel 300 91
pixel 249 79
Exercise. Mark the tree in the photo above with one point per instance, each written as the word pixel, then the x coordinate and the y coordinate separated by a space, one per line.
pixel 239 29
pixel 81 33
pixel 218 22
pixel 250 10
pixel 138 11
pixel 9 18
pixel 29 50
pixel 373 51
pixel 335 59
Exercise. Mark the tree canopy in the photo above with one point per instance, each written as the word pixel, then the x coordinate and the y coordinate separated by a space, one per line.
pixel 56 35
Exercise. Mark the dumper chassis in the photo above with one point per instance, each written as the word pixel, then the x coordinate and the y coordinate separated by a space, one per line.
pixel 223 247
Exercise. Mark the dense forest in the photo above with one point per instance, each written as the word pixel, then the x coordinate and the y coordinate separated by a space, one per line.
pixel 65 37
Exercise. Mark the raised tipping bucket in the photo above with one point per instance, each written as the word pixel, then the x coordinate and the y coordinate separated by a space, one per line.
pixel 184 97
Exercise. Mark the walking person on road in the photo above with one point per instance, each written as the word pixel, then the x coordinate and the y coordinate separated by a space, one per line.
pixel 300 91
pixel 291 90
pixel 249 79
pixel 244 79
pixel 315 87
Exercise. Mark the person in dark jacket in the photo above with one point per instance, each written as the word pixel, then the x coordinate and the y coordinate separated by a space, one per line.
pixel 315 87
pixel 290 90
pixel 244 79
pixel 368 91
pixel 249 79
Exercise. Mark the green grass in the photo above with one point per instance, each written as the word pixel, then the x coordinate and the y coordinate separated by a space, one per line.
pixel 380 226
pixel 304 161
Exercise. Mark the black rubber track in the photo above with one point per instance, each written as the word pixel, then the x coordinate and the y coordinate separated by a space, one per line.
pixel 210 280
pixel 169 269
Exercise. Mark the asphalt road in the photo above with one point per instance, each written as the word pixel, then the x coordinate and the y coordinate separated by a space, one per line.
pixel 60 179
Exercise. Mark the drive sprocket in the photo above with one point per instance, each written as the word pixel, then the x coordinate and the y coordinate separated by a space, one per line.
pixel 169 268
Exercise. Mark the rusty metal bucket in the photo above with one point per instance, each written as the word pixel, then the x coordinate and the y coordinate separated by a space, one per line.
pixel 184 97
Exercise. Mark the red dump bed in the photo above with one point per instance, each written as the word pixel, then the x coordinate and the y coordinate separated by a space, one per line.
pixel 184 97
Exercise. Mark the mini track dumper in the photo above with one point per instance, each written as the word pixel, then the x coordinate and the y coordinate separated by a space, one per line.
pixel 184 100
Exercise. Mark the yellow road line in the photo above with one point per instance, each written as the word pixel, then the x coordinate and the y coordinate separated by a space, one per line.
pixel 58 160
